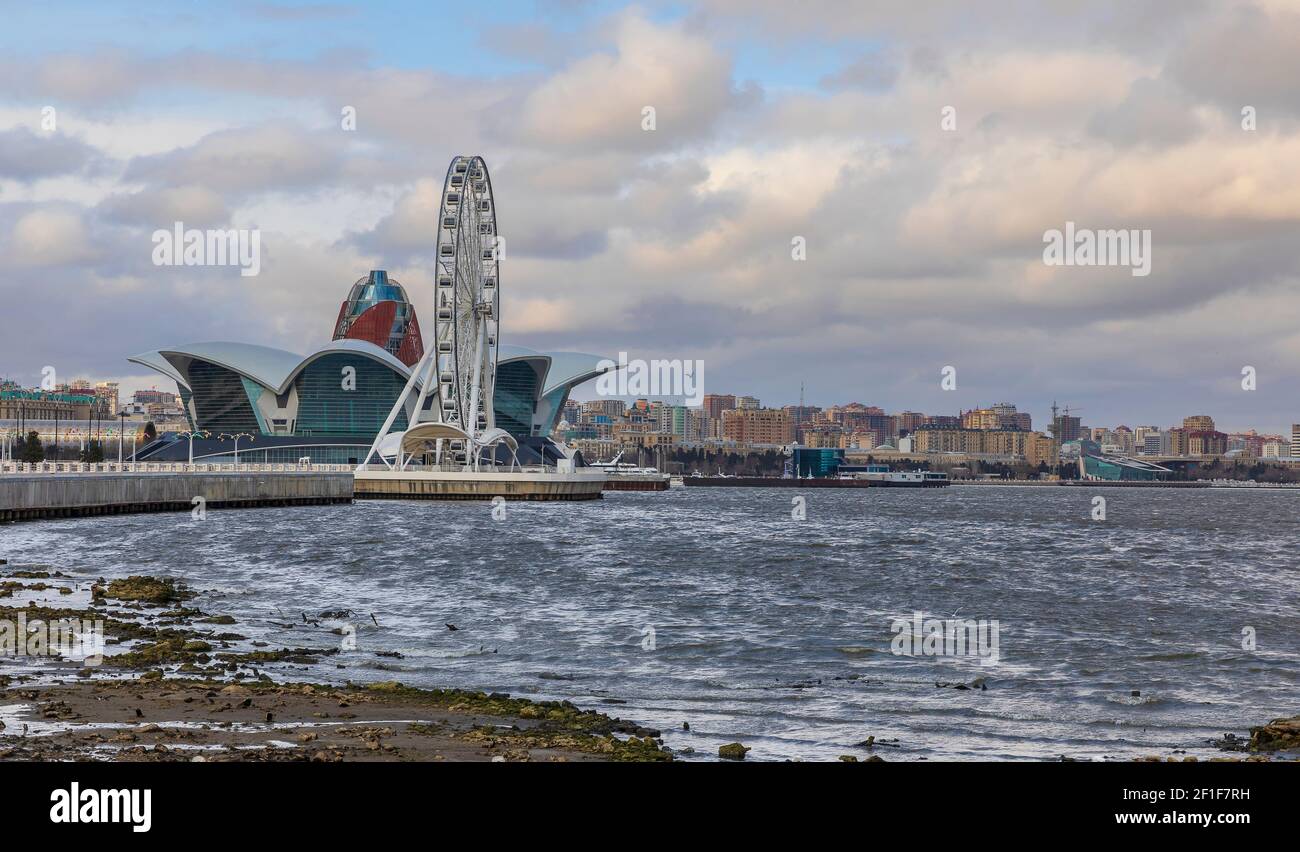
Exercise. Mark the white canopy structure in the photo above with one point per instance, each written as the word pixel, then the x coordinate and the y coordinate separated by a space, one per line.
pixel 425 439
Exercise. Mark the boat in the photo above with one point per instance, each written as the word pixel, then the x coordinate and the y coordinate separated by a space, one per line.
pixel 623 476
pixel 902 478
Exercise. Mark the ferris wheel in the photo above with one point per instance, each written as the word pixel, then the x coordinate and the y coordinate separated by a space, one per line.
pixel 452 384
pixel 468 301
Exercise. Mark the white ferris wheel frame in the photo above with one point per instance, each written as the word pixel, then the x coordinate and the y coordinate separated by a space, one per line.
pixel 457 373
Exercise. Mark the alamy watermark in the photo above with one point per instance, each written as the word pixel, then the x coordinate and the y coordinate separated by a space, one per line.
pixel 637 377
pixel 132 806
pixel 946 637
pixel 1086 247
pixel 78 640
pixel 212 247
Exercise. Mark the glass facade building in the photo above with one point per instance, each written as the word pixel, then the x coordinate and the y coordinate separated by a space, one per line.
pixel 514 395
pixel 1093 464
pixel 221 402
pixel 326 407
pixel 817 461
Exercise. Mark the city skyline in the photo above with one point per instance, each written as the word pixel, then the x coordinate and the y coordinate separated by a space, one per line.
pixel 128 392
pixel 921 239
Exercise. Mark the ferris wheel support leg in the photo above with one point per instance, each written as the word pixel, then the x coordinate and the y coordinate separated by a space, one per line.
pixel 432 360
pixel 392 417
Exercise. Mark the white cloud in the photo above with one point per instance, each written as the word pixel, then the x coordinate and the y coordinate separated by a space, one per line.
pixel 196 206
pixel 597 101
pixel 50 238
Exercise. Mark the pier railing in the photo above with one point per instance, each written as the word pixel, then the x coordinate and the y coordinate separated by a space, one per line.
pixel 28 468
pixel 460 467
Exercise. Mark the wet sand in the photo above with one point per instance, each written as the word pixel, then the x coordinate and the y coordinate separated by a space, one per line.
pixel 184 720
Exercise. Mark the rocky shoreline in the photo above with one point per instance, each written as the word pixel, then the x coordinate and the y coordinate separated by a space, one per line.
pixel 179 684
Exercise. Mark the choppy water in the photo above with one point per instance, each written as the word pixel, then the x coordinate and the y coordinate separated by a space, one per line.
pixel 773 631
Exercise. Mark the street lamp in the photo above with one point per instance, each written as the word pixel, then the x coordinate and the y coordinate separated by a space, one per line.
pixel 121 435
pixel 205 434
pixel 236 436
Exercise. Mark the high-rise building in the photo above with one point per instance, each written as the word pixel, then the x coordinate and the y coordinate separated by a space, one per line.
pixel 611 408
pixel 908 422
pixel 1295 440
pixel 716 403
pixel 1033 447
pixel 856 417
pixel 821 434
pixel 748 402
pixel 1198 423
pixel 1153 442
pixel 688 423
pixel 1140 434
pixel 1250 442
pixel 801 414
pixel 980 418
pixel 758 426
pixel 109 396
pixel 1177 443
pixel 1066 427
pixel 146 397
pixel 1206 443
pixel 1124 439
pixel 1009 418
pixel 659 416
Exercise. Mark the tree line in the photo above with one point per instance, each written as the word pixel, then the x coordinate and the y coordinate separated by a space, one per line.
pixel 28 448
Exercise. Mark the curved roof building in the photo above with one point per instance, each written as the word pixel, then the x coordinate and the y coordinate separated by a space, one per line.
pixel 330 404
pixel 532 387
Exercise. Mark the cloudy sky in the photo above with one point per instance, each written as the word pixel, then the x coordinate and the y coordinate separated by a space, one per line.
pixel 773 120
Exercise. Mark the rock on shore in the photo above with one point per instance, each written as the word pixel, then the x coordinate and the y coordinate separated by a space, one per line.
pixel 1277 735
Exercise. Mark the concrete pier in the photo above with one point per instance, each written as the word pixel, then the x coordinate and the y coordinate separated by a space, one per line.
pixel 583 484
pixel 64 495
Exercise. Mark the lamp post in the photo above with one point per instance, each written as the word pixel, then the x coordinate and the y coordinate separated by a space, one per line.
pixel 205 434
pixel 121 435
pixel 237 436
